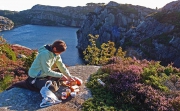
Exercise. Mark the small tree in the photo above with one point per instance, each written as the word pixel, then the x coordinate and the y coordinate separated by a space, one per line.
pixel 108 50
pixel 100 56
pixel 92 53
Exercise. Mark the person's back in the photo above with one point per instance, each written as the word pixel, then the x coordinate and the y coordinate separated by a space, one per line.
pixel 40 70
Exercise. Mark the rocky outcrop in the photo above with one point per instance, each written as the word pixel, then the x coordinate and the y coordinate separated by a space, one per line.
pixel 5 23
pixel 111 22
pixel 58 16
pixel 172 7
pixel 157 38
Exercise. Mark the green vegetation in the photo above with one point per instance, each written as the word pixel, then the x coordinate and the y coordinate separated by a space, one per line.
pixel 133 85
pixel 99 56
pixel 13 69
pixel 8 51
pixel 5 82
pixel 130 84
pixel 29 60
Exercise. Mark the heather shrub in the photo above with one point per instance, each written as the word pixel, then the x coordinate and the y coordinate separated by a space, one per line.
pixel 150 99
pixel 103 99
pixel 29 60
pixel 135 85
pixel 12 69
pixel 176 103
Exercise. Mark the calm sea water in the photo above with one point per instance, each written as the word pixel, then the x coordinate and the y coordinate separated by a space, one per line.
pixel 34 36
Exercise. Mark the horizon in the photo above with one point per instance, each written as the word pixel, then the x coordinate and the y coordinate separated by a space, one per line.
pixel 24 4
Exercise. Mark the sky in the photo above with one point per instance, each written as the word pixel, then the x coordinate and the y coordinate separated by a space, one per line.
pixel 20 5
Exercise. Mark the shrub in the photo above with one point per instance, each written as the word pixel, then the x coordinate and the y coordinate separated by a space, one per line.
pixel 12 69
pixel 100 56
pixel 5 48
pixel 91 53
pixel 9 52
pixel 103 100
pixel 126 85
pixel 29 60
pixel 5 82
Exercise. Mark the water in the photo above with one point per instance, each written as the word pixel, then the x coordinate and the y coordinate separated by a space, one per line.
pixel 34 36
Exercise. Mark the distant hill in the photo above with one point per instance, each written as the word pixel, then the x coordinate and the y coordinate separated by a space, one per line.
pixel 51 15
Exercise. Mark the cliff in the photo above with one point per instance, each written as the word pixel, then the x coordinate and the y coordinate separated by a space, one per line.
pixel 142 32
pixel 111 22
pixel 50 15
pixel 58 16
pixel 157 37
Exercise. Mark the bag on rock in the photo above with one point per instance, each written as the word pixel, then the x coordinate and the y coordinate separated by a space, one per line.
pixel 49 98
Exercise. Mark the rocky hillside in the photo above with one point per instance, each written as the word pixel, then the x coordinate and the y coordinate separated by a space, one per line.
pixel 111 22
pixel 142 32
pixel 51 15
pixel 5 23
pixel 60 16
pixel 157 37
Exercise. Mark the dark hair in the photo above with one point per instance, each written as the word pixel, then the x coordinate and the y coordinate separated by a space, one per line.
pixel 59 45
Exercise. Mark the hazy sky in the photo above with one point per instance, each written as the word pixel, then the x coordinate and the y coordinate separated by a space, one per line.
pixel 19 5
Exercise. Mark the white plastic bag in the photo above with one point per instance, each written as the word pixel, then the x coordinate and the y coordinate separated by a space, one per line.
pixel 49 98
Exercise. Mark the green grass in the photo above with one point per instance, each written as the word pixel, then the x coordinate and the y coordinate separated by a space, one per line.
pixel 5 83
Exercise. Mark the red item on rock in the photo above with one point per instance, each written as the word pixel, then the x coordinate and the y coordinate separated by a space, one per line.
pixel 78 81
pixel 74 88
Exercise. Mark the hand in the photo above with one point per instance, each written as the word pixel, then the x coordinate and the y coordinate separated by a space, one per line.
pixel 64 78
pixel 71 79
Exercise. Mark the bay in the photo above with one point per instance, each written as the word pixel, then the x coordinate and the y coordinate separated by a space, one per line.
pixel 35 36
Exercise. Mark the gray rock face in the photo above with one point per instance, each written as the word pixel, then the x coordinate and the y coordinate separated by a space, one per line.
pixel 19 99
pixel 155 39
pixel 111 22
pixel 58 16
pixel 148 28
pixel 5 23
